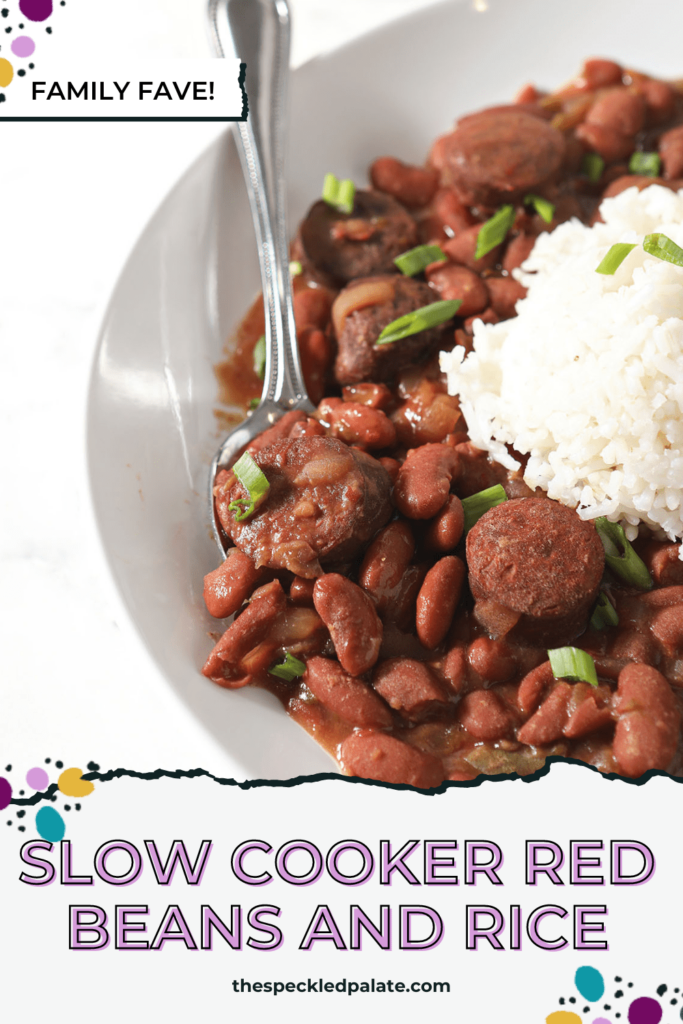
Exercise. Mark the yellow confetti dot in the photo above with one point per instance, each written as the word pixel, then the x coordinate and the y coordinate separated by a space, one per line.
pixel 71 783
pixel 563 1017
pixel 6 72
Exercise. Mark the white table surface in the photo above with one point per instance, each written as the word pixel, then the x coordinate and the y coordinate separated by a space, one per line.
pixel 76 682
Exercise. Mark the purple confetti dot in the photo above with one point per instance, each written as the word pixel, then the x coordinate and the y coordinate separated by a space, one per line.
pixel 601 1020
pixel 36 10
pixel 23 46
pixel 5 793
pixel 37 778
pixel 644 1011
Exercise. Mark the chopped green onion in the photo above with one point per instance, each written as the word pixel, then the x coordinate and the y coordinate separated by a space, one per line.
pixel 647 164
pixel 476 505
pixel 254 403
pixel 592 166
pixel 663 248
pixel 415 260
pixel 543 207
pixel 604 613
pixel 290 668
pixel 260 357
pixel 419 320
pixel 620 556
pixel 493 231
pixel 295 268
pixel 339 194
pixel 573 664
pixel 614 257
pixel 255 483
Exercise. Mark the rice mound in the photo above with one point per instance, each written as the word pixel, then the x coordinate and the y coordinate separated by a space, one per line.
pixel 587 379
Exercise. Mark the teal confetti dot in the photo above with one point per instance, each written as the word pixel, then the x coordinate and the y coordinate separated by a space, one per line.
pixel 590 983
pixel 50 824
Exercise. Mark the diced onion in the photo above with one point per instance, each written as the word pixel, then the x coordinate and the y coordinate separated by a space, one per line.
pixel 358 296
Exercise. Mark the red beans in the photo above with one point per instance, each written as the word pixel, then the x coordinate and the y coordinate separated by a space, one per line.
pixel 667 628
pixel 228 586
pixel 621 109
pixel 660 100
pixel 605 140
pixel 409 687
pixel 505 293
pixel 666 568
pixel 485 716
pixel 438 599
pixel 492 660
pixel 518 250
pixel 424 480
pixel 648 721
pixel 350 616
pixel 312 307
pixel 454 282
pixel 599 73
pixel 356 423
pixel 385 563
pixel 671 152
pixel 375 755
pixel 549 721
pixel 243 635
pixel 451 212
pixel 348 698
pixel 445 530
pixel 412 186
pixel 463 247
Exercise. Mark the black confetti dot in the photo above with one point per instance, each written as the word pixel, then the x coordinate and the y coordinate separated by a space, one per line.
pixel 21 814
pixel 21 792
pixel 561 1000
pixel 607 1006
pixel 617 1015
pixel 673 1002
pixel 93 767
pixel 8 767
pixel 77 806
pixel 8 29
pixel 21 72
pixel 9 822
pixel 571 999
pixel 661 989
pixel 21 26
pixel 618 994
pixel 53 798
pixel 49 31
pixel 48 760
pixel 586 1009
pixel 59 764
pixel 630 984
pixel 2 97
pixel 677 990
pixel 22 828
pixel 31 66
pixel 617 979
pixel 67 807
pixel 4 12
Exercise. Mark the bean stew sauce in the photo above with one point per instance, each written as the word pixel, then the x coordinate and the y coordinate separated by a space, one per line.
pixel 408 636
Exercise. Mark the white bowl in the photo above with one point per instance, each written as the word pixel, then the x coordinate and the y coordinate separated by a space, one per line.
pixel 194 272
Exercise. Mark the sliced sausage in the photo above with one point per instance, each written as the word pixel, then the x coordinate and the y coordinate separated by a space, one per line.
pixel 497 156
pixel 539 559
pixel 337 247
pixel 359 357
pixel 325 502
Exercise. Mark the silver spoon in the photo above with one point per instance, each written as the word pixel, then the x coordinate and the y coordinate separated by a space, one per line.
pixel 258 32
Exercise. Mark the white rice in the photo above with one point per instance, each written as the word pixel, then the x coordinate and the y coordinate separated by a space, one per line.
pixel 588 379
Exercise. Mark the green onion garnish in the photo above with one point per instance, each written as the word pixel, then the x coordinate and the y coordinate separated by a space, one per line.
pixel 475 506
pixel 663 248
pixel 543 207
pixel 415 260
pixel 254 403
pixel 295 268
pixel 620 556
pixel 604 613
pixel 493 231
pixel 592 166
pixel 419 320
pixel 647 164
pixel 339 194
pixel 255 483
pixel 615 256
pixel 290 668
pixel 573 664
pixel 260 357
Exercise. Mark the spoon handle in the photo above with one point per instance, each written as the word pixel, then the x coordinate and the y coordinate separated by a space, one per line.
pixel 258 31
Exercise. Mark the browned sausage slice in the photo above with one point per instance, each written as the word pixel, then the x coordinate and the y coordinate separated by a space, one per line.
pixel 496 156
pixel 326 501
pixel 539 559
pixel 336 247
